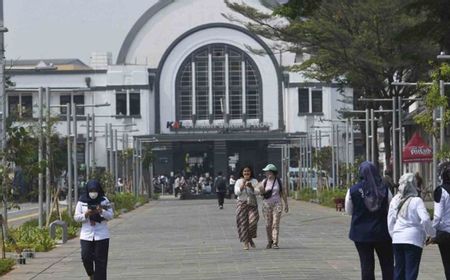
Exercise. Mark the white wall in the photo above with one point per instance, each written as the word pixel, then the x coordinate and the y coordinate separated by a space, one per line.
pixel 117 75
pixel 171 22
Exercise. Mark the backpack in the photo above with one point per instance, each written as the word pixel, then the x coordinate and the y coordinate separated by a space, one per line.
pixel 220 184
pixel 268 194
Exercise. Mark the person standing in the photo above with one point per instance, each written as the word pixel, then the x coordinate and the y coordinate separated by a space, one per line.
pixel 409 225
pixel 441 220
pixel 273 192
pixel 220 184
pixel 93 210
pixel 231 183
pixel 367 202
pixel 247 215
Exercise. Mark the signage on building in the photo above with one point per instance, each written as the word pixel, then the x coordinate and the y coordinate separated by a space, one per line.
pixel 180 126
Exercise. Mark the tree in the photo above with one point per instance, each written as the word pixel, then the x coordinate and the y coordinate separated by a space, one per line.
pixel 435 25
pixel 356 43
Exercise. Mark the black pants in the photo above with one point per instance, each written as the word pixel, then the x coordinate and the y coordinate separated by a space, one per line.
pixel 220 198
pixel 367 259
pixel 407 261
pixel 95 257
pixel 445 256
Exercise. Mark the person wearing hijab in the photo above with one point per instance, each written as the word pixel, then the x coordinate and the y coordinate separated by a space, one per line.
pixel 367 202
pixel 409 225
pixel 93 210
pixel 441 220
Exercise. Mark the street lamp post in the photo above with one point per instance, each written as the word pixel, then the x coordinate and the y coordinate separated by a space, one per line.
pixel 40 158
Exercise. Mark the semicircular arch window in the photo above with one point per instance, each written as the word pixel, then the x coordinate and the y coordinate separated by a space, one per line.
pixel 218 82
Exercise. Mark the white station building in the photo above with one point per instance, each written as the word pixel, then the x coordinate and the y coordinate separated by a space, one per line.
pixel 187 78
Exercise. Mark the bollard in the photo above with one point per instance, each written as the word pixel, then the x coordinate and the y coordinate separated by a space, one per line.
pixel 63 225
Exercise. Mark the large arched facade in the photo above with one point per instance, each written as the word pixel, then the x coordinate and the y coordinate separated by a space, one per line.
pixel 212 96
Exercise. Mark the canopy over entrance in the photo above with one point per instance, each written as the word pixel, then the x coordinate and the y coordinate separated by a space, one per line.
pixel 417 150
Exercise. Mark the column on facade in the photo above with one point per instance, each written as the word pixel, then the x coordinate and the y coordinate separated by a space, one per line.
pixel 194 95
pixel 210 91
pixel 227 90
pixel 244 92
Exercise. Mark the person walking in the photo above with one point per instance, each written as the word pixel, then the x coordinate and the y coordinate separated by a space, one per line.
pixel 273 192
pixel 409 225
pixel 93 210
pixel 367 202
pixel 220 184
pixel 247 215
pixel 441 220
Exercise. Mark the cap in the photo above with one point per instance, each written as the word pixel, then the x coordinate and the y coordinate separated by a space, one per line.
pixel 270 167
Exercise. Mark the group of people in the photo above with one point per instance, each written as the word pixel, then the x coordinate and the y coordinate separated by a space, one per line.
pixel 274 195
pixel 397 227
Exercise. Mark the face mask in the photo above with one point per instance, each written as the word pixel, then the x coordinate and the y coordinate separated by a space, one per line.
pixel 93 195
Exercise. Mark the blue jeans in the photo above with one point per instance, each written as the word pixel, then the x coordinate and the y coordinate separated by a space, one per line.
pixel 407 261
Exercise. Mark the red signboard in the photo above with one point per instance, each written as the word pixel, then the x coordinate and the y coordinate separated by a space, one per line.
pixel 417 150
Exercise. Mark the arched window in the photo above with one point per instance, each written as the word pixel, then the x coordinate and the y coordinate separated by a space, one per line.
pixel 218 82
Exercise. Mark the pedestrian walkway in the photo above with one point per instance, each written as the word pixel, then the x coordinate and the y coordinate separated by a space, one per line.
pixel 192 239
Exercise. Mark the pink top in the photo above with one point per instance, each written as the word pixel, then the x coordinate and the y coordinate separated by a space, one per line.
pixel 275 198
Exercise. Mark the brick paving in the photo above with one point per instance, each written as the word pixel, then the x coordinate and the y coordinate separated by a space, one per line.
pixel 173 239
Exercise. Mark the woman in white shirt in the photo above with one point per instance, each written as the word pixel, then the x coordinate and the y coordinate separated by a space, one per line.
pixel 409 225
pixel 93 211
pixel 441 221
pixel 247 215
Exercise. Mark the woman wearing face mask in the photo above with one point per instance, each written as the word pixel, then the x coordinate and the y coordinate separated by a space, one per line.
pixel 273 194
pixel 93 211
pixel 368 203
pixel 409 225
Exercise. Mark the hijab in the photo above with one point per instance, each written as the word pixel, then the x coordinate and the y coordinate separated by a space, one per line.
pixel 93 186
pixel 373 189
pixel 444 172
pixel 407 189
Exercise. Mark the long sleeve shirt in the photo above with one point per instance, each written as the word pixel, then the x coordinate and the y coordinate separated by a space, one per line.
pixel 441 219
pixel 242 195
pixel 414 227
pixel 93 231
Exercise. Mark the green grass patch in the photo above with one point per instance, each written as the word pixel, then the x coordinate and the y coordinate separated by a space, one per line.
pixel 6 265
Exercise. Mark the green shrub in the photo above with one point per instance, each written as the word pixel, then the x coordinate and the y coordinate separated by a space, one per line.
pixel 324 197
pixel 6 265
pixel 123 201
pixel 29 237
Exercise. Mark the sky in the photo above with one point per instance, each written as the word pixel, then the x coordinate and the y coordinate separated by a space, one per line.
pixel 41 29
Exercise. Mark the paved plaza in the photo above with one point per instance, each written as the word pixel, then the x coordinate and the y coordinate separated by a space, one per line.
pixel 190 240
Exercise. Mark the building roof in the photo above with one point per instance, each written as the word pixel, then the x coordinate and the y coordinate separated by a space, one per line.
pixel 65 64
